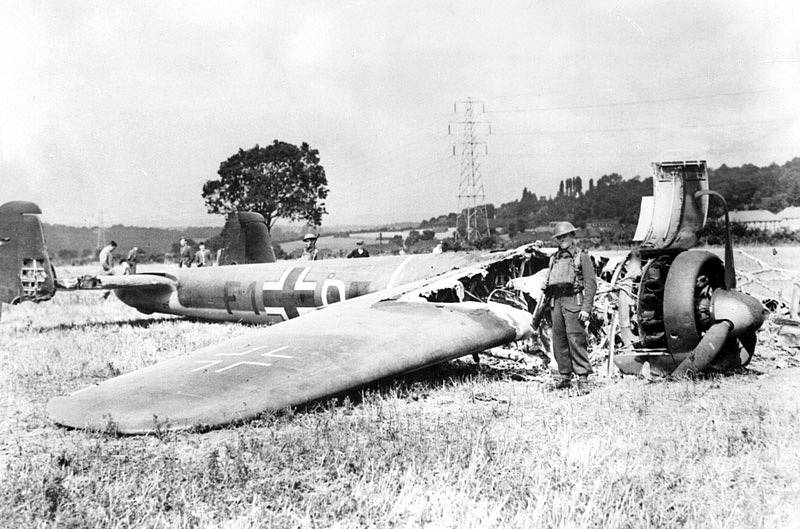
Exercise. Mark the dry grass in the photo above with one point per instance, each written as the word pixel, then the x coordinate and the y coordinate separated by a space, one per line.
pixel 463 445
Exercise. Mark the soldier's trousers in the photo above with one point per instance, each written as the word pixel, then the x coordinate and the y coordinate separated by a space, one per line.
pixel 569 338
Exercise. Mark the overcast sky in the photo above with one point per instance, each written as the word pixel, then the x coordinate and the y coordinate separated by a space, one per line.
pixel 129 107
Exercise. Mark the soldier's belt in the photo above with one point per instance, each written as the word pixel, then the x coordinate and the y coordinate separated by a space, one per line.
pixel 560 290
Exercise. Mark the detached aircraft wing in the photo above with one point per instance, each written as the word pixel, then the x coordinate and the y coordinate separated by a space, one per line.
pixel 326 352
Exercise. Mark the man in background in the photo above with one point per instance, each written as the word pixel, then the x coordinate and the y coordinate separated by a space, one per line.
pixel 310 253
pixel 131 261
pixel 203 256
pixel 106 258
pixel 185 255
pixel 358 251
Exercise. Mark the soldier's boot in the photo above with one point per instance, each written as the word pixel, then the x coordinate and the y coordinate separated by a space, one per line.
pixel 583 386
pixel 562 382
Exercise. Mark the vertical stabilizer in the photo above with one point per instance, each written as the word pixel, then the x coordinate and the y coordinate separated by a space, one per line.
pixel 247 240
pixel 25 271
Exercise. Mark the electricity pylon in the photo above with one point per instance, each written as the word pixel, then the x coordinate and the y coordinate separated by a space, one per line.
pixel 472 223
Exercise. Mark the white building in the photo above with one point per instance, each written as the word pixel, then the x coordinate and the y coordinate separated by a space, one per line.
pixel 760 219
pixel 790 218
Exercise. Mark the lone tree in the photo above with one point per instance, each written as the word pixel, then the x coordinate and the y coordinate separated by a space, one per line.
pixel 279 181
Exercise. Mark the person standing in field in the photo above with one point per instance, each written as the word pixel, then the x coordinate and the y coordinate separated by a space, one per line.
pixel 571 286
pixel 130 261
pixel 185 255
pixel 106 259
pixel 203 256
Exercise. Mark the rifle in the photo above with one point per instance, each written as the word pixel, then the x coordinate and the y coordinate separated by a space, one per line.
pixel 543 300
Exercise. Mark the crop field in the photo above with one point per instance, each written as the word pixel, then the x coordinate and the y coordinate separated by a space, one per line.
pixel 460 445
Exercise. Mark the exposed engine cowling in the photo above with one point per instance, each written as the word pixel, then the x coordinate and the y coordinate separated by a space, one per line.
pixel 689 318
pixel 680 313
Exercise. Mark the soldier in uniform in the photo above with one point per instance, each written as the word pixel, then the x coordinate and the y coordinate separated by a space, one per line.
pixel 571 286
pixel 310 253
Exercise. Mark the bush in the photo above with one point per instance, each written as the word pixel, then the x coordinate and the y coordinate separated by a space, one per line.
pixel 413 237
pixel 427 235
pixel 486 243
pixel 714 235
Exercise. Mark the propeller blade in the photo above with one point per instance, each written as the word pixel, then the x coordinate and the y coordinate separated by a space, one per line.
pixel 708 348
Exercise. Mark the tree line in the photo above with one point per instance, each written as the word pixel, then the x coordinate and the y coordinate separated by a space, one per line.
pixel 616 199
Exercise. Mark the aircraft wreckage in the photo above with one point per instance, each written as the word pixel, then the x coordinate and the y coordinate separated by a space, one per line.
pixel 367 319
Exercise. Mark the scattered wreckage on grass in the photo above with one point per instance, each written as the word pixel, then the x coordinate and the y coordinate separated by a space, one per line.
pixel 382 316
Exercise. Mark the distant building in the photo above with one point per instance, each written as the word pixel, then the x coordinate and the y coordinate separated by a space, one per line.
pixel 790 218
pixel 597 226
pixel 439 234
pixel 543 232
pixel 759 219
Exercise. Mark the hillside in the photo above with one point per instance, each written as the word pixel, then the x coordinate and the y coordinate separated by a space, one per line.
pixel 613 198
pixel 150 240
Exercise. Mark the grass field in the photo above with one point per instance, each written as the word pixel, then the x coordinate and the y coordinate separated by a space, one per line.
pixel 461 445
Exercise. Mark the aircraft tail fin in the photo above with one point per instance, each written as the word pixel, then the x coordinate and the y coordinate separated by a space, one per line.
pixel 247 240
pixel 25 270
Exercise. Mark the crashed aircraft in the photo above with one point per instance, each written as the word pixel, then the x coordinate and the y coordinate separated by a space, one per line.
pixel 364 320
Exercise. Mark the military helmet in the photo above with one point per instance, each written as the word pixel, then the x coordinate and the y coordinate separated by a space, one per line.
pixel 563 228
pixel 309 237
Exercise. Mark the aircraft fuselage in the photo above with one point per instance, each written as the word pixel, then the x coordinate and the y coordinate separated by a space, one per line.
pixel 274 292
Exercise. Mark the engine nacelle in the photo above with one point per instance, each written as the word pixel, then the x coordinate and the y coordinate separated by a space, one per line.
pixel 689 317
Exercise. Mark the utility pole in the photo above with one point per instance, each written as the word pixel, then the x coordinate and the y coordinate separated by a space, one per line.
pixel 472 223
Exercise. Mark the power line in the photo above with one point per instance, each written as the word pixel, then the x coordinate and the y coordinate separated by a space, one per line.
pixel 637 102
pixel 651 127
pixel 609 84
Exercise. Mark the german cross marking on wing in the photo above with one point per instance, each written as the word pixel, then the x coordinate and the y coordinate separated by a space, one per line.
pixel 215 363
pixel 208 363
pixel 262 364
pixel 271 354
